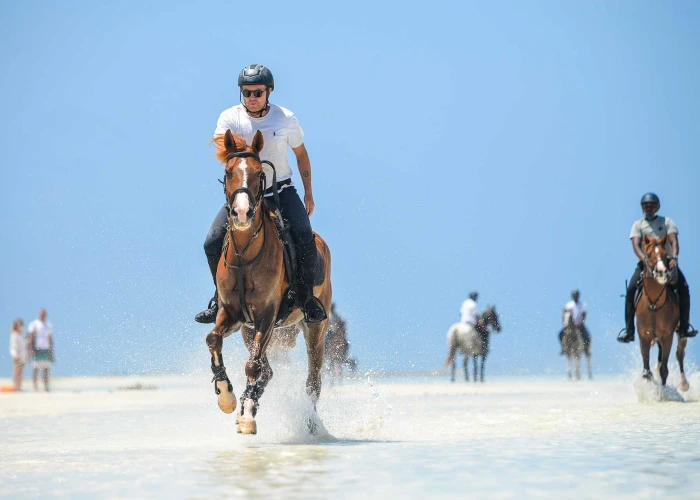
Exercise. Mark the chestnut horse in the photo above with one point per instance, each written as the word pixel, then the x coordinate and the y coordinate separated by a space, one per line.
pixel 657 313
pixel 252 281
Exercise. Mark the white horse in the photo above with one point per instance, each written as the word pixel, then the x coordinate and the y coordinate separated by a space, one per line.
pixel 573 345
pixel 465 338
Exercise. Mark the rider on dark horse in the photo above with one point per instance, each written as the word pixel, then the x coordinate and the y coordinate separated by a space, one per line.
pixel 578 312
pixel 280 130
pixel 656 226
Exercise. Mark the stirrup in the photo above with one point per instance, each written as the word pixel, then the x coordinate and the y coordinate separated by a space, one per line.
pixel 209 314
pixel 625 336
pixel 689 332
pixel 314 312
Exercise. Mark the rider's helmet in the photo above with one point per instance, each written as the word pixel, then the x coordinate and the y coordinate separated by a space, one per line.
pixel 575 293
pixel 650 198
pixel 256 74
pixel 474 296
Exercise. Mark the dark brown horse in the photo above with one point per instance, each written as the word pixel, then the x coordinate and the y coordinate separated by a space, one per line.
pixel 657 312
pixel 252 282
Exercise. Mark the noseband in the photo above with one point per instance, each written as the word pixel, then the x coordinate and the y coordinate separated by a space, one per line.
pixel 254 200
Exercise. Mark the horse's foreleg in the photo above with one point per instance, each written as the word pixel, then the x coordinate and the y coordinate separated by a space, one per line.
pixel 454 369
pixel 476 373
pixel 578 367
pixel 590 367
pixel 465 367
pixel 644 347
pixel 568 366
pixel 215 341
pixel 257 369
pixel 665 353
pixel 483 362
pixel 680 356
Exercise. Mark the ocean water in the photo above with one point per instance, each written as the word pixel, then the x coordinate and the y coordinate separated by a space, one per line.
pixel 407 437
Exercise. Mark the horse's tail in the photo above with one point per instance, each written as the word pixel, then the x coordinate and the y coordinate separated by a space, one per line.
pixel 452 346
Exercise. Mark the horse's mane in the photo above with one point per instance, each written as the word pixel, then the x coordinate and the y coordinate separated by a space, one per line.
pixel 221 152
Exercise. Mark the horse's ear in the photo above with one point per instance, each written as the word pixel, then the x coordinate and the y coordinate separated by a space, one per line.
pixel 646 240
pixel 258 142
pixel 229 142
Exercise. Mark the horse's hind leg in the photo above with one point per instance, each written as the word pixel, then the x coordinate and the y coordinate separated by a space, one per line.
pixel 215 341
pixel 454 369
pixel 590 367
pixel 665 353
pixel 465 365
pixel 483 362
pixel 314 334
pixel 680 356
pixel 476 373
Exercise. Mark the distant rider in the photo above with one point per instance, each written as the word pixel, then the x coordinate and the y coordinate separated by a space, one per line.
pixel 469 310
pixel 578 312
pixel 656 226
pixel 280 130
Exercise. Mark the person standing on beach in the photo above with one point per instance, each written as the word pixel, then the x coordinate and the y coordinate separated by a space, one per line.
pixel 18 351
pixel 41 347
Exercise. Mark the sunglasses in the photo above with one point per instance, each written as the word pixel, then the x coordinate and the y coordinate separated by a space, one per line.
pixel 256 93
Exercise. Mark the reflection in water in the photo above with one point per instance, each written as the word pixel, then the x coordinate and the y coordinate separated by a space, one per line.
pixel 259 471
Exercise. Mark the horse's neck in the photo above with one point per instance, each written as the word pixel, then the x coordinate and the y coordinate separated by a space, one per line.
pixel 653 288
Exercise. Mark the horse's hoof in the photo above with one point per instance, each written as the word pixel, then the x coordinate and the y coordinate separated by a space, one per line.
pixel 246 426
pixel 683 386
pixel 226 399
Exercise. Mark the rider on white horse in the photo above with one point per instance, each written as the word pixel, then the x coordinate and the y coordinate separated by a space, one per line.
pixel 469 310
pixel 578 311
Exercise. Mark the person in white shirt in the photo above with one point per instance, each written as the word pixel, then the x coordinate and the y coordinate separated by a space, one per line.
pixel 280 130
pixel 18 351
pixel 578 312
pixel 469 310
pixel 41 347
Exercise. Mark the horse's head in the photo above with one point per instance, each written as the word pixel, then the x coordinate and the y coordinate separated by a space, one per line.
pixel 244 180
pixel 568 318
pixel 491 318
pixel 656 259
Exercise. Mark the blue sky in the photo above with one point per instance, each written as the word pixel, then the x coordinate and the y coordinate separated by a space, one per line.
pixel 497 146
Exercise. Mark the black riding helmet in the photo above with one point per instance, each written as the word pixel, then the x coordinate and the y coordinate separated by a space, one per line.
pixel 474 296
pixel 650 198
pixel 256 74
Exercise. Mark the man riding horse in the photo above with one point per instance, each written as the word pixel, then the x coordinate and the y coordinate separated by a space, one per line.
pixel 280 130
pixel 656 226
pixel 578 312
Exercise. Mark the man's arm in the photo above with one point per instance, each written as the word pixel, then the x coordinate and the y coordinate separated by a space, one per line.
pixel 675 246
pixel 637 247
pixel 304 165
pixel 30 344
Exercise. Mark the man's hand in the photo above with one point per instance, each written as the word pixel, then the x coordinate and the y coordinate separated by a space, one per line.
pixel 309 202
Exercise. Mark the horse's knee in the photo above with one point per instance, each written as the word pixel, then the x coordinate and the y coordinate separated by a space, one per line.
pixel 214 341
pixel 253 369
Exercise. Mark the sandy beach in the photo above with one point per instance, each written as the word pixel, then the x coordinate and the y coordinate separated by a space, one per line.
pixel 406 437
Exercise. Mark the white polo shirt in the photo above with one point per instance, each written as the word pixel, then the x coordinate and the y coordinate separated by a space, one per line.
pixel 469 311
pixel 576 310
pixel 280 130
pixel 42 333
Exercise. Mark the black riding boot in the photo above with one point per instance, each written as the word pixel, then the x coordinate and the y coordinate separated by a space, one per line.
pixel 209 314
pixel 311 305
pixel 684 330
pixel 627 333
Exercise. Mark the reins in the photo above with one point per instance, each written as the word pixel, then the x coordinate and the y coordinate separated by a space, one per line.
pixel 653 307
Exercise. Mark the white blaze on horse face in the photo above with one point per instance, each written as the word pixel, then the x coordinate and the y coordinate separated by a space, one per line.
pixel 241 203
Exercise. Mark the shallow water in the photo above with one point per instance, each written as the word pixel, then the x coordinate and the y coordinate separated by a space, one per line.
pixel 383 437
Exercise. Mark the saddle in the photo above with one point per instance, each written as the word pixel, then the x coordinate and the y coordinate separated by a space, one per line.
pixel 290 300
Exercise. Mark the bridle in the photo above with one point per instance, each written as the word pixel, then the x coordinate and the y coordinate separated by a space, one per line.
pixel 653 304
pixel 254 200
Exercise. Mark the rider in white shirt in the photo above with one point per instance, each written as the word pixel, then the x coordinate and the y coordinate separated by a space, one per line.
pixel 281 131
pixel 578 312
pixel 470 310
